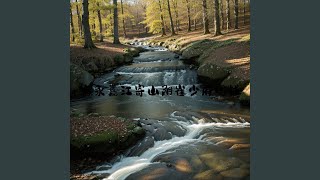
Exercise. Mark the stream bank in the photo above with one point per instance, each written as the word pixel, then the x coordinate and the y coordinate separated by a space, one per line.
pixel 85 65
pixel 223 65
pixel 95 139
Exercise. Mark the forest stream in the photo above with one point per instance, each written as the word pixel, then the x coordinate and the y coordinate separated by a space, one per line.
pixel 188 137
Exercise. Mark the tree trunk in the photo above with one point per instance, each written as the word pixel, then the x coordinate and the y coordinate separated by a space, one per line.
pixel 79 20
pixel 170 17
pixel 228 14
pixel 72 26
pixel 100 23
pixel 221 13
pixel 88 43
pixel 189 16
pixel 205 17
pixel 162 20
pixel 115 23
pixel 145 15
pixel 236 16
pixel 217 30
pixel 195 19
pixel 175 7
pixel 123 23
pixel 244 12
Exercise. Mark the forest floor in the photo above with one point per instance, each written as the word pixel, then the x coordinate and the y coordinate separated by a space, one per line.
pixel 185 38
pixel 104 50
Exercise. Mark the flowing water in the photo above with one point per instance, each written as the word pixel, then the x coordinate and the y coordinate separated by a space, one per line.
pixel 188 137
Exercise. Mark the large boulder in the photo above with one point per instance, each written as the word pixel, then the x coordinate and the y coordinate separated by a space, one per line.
pixel 80 81
pixel 212 73
pixel 196 49
pixel 234 83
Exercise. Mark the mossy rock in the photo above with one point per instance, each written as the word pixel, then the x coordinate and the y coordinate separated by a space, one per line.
pixel 119 59
pixel 245 96
pixel 80 81
pixel 234 84
pixel 195 49
pixel 212 73
pixel 93 146
pixel 105 143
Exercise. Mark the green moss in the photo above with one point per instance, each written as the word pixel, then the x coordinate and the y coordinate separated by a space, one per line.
pixel 235 83
pixel 118 59
pixel 213 72
pixel 100 138
pixel 131 126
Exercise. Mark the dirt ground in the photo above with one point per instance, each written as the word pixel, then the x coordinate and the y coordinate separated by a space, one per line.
pixel 185 38
pixel 104 50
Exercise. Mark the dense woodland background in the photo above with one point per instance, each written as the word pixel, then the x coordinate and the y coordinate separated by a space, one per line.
pixel 96 20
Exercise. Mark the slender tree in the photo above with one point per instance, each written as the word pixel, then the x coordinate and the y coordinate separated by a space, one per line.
pixel 244 11
pixel 195 18
pixel 79 19
pixel 205 17
pixel 188 14
pixel 72 26
pixel 175 7
pixel 162 19
pixel 123 23
pixel 221 14
pixel 100 22
pixel 236 16
pixel 217 30
pixel 170 16
pixel 228 14
pixel 145 16
pixel 115 23
pixel 88 43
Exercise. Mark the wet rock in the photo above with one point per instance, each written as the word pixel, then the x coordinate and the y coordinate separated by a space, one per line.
pixel 149 128
pixel 158 171
pixel 235 173
pixel 207 175
pixel 176 56
pixel 183 160
pixel 212 73
pixel 138 130
pixel 102 176
pixel 220 163
pixel 142 146
pixel 103 168
pixel 173 127
pixel 240 146
pixel 161 134
pixel 80 81
pixel 228 143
